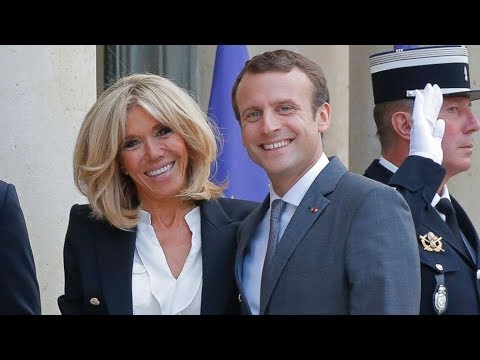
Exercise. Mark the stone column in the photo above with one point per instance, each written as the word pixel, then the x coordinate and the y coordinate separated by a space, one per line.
pixel 45 93
pixel 364 144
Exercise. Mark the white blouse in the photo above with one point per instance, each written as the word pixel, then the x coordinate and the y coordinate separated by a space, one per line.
pixel 155 291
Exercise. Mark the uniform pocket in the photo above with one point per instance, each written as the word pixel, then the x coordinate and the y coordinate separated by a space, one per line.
pixel 439 262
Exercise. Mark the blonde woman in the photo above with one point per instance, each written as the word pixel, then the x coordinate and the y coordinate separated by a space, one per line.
pixel 156 237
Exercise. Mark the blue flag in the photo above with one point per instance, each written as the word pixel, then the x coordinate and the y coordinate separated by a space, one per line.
pixel 246 179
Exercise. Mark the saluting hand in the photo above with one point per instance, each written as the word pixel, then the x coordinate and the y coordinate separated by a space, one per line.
pixel 427 130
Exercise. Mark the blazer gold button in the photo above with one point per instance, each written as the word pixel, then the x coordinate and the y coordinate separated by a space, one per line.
pixel 478 274
pixel 94 301
pixel 439 266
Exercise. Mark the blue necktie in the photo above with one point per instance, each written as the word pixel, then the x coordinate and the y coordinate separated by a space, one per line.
pixel 276 211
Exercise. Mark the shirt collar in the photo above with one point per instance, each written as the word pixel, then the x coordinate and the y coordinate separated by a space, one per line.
pixel 296 193
pixel 387 164
pixel 445 195
pixel 144 217
pixel 191 217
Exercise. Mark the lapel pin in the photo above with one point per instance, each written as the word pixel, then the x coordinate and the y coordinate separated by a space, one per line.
pixel 313 209
pixel 431 242
pixel 94 301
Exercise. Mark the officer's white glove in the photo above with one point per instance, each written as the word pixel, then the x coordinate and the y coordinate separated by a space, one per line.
pixel 427 130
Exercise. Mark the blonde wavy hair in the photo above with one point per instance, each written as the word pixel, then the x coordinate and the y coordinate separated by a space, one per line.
pixel 96 170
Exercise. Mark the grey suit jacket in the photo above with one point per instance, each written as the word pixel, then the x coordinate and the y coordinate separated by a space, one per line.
pixel 357 254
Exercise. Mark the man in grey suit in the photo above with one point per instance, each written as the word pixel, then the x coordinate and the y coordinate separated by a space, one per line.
pixel 341 243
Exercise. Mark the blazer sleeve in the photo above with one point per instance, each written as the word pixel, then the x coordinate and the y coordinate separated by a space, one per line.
pixel 382 258
pixel 71 302
pixel 18 279
pixel 418 179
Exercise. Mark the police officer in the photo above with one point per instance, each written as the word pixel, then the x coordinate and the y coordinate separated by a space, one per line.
pixel 428 152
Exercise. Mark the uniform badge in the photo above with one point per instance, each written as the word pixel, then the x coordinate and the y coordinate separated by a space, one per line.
pixel 440 299
pixel 431 242
pixel 94 301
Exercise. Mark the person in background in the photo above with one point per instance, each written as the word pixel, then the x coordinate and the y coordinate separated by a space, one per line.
pixel 156 237
pixel 420 154
pixel 20 294
pixel 324 240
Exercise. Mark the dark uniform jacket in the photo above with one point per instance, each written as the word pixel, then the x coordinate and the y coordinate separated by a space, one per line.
pixel 443 261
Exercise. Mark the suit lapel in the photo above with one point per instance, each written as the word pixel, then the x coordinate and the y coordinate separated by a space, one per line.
pixel 245 233
pixel 435 223
pixel 467 228
pixel 218 249
pixel 116 248
pixel 301 222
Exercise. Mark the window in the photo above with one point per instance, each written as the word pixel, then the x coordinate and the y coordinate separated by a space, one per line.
pixel 178 62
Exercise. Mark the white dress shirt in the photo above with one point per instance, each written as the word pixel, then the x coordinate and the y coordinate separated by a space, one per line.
pixel 255 255
pixel 155 290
